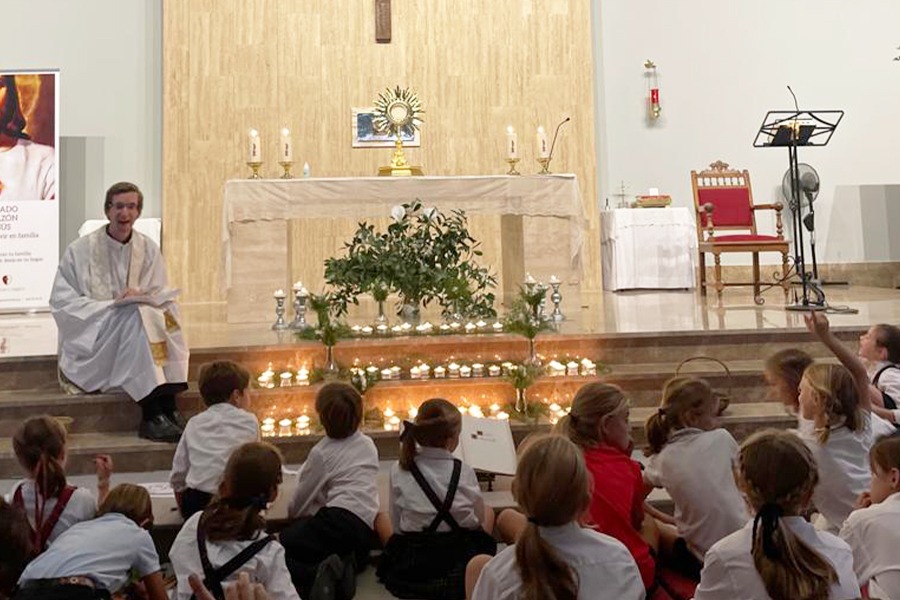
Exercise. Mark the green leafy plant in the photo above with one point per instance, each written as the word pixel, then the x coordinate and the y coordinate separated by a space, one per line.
pixel 328 330
pixel 522 317
pixel 424 256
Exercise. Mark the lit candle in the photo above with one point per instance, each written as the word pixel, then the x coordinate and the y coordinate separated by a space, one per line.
pixel 470 327
pixel 462 409
pixel 424 371
pixel 356 330
pixel 497 327
pixel 480 324
pixel 405 327
pixel 255 154
pixel 298 286
pixel 394 423
pixel 394 329
pixel 464 371
pixel 494 371
pixel 286 379
pixel 279 293
pixel 284 427
pixel 529 279
pixel 554 408
pixel 572 368
pixel 494 408
pixel 440 372
pixel 415 373
pixel 268 429
pixel 477 370
pixel 372 370
pixel 507 367
pixel 512 143
pixel 287 148
pixel 382 329
pixel 557 369
pixel 386 374
pixel 455 326
pixel 475 411
pixel 413 412
pixel 444 328
pixel 554 279
pixel 502 416
pixel 262 380
pixel 453 369
pixel 389 412
pixel 303 376
pixel 543 146
pixel 367 330
pixel 395 372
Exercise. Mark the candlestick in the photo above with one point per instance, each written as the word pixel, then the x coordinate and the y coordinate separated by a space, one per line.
pixel 512 166
pixel 280 324
pixel 254 155
pixel 556 316
pixel 301 294
pixel 545 166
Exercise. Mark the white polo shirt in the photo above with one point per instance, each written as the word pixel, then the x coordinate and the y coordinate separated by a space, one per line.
pixel 266 567
pixel 843 463
pixel 104 549
pixel 412 511
pixel 695 466
pixel 729 573
pixel 208 440
pixel 339 474
pixel 874 536
pixel 604 568
pixel 82 506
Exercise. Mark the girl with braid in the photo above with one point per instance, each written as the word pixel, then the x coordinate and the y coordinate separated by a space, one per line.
pixel 555 557
pixel 778 555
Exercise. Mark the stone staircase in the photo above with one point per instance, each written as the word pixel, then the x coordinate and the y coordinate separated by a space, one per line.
pixel 639 363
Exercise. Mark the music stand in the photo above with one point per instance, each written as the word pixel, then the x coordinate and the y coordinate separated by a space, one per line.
pixel 792 129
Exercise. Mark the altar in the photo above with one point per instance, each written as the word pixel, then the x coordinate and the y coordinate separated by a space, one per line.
pixel 277 231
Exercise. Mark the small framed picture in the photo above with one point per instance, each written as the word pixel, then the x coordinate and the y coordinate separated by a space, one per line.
pixel 366 136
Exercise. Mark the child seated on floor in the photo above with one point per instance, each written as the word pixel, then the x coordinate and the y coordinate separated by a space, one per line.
pixel 783 372
pixel 691 457
pixel 51 504
pixel 437 511
pixel 93 559
pixel 336 501
pixel 229 535
pixel 879 347
pixel 555 557
pixel 211 436
pixel 873 530
pixel 16 549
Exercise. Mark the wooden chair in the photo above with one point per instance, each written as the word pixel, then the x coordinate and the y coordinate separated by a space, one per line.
pixel 723 200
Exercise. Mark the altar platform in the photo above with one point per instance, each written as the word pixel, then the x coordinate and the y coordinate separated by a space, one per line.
pixel 639 338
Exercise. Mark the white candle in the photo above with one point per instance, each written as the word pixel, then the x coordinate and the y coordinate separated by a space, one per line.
pixel 572 368
pixel 284 427
pixel 477 370
pixel 389 412
pixel 279 293
pixel 512 143
pixel 303 376
pixel 465 371
pixel 529 279
pixel 475 411
pixel 543 146
pixel 287 148
pixel 470 327
pixel 356 330
pixel 413 412
pixel 298 286
pixel 494 371
pixel 497 327
pixel 286 379
pixel 268 429
pixel 502 416
pixel 255 154
pixel 424 371
pixel 453 369
pixel 494 408
pixel 415 373
pixel 554 279
pixel 382 329
pixel 439 372
pixel 654 192
pixel 395 372
pixel 367 330
pixel 394 422
pixel 481 324
pixel 386 374
pixel 394 329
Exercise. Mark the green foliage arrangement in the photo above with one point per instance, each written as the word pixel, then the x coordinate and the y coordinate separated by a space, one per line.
pixel 424 256
pixel 327 330
pixel 522 318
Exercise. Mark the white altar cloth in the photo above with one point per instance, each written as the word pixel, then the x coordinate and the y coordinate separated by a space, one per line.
pixel 648 248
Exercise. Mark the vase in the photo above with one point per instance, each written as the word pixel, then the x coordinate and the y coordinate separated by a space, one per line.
pixel 411 313
pixel 521 401
pixel 533 359
pixel 330 367
pixel 381 319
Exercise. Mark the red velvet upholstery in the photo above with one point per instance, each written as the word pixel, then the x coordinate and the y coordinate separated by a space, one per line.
pixel 731 206
pixel 746 237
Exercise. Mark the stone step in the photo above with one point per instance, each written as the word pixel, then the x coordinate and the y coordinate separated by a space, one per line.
pixel 131 453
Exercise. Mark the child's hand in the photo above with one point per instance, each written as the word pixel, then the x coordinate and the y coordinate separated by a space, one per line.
pixel 817 323
pixel 103 465
pixel 864 500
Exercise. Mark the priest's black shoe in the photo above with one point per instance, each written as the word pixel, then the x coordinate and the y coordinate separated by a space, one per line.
pixel 178 419
pixel 159 429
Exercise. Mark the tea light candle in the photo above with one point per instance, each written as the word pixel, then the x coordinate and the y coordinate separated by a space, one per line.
pixel 497 327
pixel 512 143
pixel 557 369
pixel 424 371
pixel 356 330
pixel 263 380
pixel 542 144
pixel 287 148
pixel 386 374
pixel 454 326
pixel 481 324
pixel 405 327
pixel 470 327
pixel 502 416
pixel 444 328
pixel 389 412
pixel 394 422
pixel 554 408
pixel 572 368
pixel 367 330
pixel 588 367
pixel 464 371
pixel 453 369
pixel 554 279
pixel 507 367
pixel 413 412
pixel 303 422
pixel 475 411
pixel 477 370
pixel 268 427
pixel 286 379
pixel 284 427
pixel 279 293
pixel 382 329
pixel 394 329
pixel 414 373
pixel 372 370
pixel 395 372
pixel 303 376
pixel 494 408
pixel 298 286
pixel 494 371
pixel 440 372
pixel 255 152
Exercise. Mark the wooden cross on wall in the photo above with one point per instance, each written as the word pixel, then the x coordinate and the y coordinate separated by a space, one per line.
pixel 383 21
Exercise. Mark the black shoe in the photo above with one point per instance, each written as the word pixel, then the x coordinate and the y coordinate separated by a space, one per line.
pixel 159 429
pixel 178 420
pixel 347 585
pixel 329 574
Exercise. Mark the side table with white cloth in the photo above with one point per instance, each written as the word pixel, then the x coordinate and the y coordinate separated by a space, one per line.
pixel 648 248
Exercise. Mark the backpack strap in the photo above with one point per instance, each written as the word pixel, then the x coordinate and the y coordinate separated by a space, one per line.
pixel 61 502
pixel 889 402
pixel 443 508
pixel 212 577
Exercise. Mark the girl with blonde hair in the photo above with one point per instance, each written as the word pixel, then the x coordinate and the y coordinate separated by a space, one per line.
pixel 555 558
pixel 94 559
pixel 778 555
pixel 873 530
pixel 436 508
pixel 691 457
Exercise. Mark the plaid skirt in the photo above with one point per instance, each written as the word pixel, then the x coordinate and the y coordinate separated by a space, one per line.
pixel 432 565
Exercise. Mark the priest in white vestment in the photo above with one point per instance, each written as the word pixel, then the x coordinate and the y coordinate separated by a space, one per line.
pixel 118 326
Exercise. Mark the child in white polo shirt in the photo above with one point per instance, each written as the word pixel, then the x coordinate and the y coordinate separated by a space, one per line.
pixel 873 531
pixel 211 436
pixel 336 501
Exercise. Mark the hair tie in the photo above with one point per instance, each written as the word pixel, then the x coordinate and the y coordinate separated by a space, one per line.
pixel 533 521
pixel 768 516
pixel 408 427
pixel 661 412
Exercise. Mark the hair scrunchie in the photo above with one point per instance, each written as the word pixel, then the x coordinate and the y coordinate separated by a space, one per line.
pixel 661 412
pixel 408 427
pixel 768 516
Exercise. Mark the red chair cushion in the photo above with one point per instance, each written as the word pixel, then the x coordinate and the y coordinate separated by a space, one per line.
pixel 731 206
pixel 745 237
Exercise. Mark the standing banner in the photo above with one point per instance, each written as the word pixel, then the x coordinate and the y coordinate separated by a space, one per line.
pixel 29 202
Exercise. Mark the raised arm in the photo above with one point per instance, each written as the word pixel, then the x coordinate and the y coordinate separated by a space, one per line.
pixel 817 324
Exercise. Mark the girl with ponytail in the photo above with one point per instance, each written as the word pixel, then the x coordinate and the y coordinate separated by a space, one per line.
pixel 555 558
pixel 230 534
pixel 778 555
pixel 691 456
pixel 436 508
pixel 52 506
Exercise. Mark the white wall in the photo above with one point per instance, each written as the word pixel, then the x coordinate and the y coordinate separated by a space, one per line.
pixel 721 66
pixel 110 61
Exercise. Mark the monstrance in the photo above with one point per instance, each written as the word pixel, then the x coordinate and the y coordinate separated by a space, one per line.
pixel 398 112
